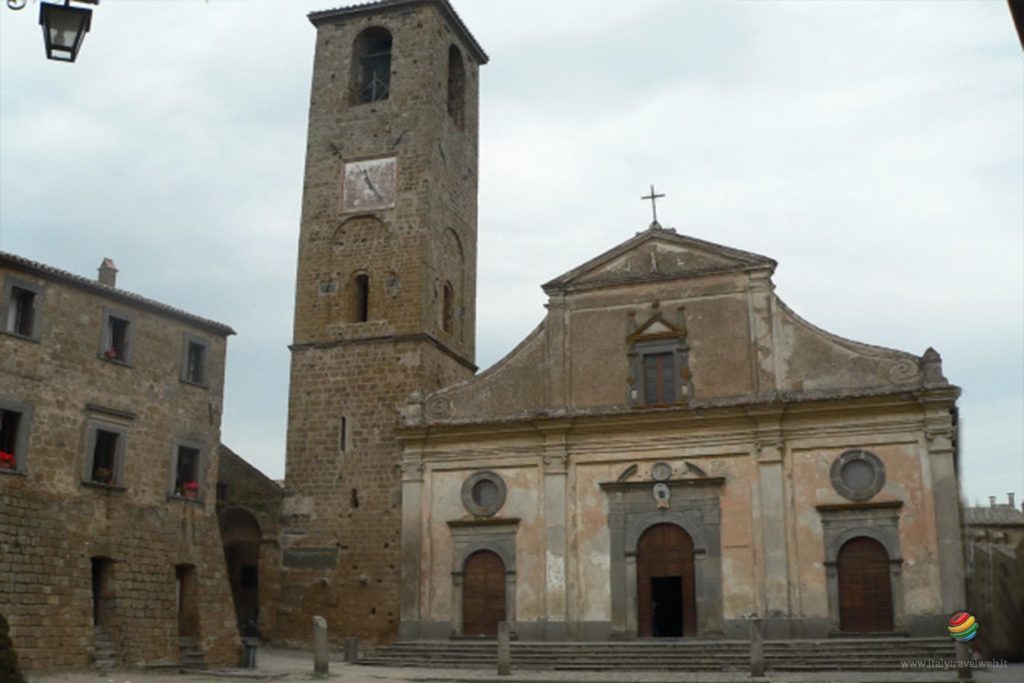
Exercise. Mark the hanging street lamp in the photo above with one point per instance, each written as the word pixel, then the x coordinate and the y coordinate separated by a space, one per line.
pixel 64 28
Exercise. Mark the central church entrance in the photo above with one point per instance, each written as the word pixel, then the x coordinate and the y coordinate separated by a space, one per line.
pixel 483 594
pixel 665 583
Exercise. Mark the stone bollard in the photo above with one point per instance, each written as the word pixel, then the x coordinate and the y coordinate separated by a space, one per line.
pixel 756 647
pixel 504 650
pixel 351 649
pixel 963 655
pixel 320 646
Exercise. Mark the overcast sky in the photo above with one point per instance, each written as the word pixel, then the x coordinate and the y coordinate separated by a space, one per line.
pixel 874 149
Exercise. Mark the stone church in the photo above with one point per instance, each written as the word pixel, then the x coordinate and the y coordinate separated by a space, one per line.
pixel 670 452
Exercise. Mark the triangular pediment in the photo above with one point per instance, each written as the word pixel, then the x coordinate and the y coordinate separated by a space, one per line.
pixel 657 254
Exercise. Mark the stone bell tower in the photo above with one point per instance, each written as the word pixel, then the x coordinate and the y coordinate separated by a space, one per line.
pixel 385 295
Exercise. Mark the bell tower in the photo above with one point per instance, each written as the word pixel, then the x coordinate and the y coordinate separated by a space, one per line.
pixel 385 294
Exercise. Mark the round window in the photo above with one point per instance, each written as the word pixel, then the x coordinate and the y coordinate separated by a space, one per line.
pixel 857 475
pixel 483 494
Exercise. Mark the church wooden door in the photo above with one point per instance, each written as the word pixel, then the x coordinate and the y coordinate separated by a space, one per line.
pixel 865 596
pixel 665 583
pixel 483 594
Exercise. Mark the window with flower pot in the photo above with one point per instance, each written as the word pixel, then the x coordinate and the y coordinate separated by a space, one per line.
pixel 14 424
pixel 21 308
pixel 105 454
pixel 186 470
pixel 117 337
pixel 194 360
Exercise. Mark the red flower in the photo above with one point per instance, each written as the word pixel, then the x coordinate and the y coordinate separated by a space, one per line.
pixel 191 486
pixel 6 457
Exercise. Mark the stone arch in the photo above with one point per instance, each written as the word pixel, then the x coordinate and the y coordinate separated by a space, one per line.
pixel 694 508
pixel 241 535
pixel 371 65
pixel 880 523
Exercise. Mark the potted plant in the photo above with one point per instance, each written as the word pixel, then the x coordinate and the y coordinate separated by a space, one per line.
pixel 7 461
pixel 111 353
pixel 102 475
pixel 190 489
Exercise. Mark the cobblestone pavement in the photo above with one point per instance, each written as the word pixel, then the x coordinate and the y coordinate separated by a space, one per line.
pixel 289 666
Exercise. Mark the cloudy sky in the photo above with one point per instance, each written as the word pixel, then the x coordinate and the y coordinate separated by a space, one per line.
pixel 874 149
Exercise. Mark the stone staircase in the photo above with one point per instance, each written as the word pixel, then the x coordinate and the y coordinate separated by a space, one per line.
pixel 104 651
pixel 191 653
pixel 837 654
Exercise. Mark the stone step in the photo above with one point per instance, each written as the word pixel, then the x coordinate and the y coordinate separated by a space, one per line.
pixel 852 654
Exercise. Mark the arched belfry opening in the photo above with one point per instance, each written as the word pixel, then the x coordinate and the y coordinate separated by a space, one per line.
pixel 456 86
pixel 371 65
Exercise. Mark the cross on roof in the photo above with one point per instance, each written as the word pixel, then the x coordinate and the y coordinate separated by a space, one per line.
pixel 654 202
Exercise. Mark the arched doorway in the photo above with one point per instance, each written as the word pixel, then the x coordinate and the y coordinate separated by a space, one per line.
pixel 240 533
pixel 483 594
pixel 865 593
pixel 665 583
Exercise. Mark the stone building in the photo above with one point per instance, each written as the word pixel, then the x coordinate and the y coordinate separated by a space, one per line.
pixel 385 295
pixel 994 536
pixel 671 451
pixel 110 408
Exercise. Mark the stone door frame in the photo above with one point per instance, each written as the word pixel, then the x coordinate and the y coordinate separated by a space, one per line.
pixel 495 535
pixel 694 507
pixel 879 522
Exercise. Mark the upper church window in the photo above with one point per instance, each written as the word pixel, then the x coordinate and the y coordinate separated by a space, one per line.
pixel 659 378
pixel 372 65
pixel 456 86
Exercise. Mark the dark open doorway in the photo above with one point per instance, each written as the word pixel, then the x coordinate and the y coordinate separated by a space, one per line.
pixel 102 589
pixel 667 606
pixel 188 600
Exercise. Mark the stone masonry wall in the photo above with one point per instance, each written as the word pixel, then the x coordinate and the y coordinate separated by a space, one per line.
pixel 340 544
pixel 53 521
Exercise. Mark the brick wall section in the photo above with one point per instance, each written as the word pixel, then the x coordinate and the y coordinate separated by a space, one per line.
pixel 341 545
pixel 53 523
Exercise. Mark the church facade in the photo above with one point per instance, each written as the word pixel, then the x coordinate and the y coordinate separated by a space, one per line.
pixel 670 452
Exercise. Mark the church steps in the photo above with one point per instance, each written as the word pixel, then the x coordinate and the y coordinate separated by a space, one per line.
pixel 861 654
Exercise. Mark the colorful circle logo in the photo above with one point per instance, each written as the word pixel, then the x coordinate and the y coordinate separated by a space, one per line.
pixel 963 626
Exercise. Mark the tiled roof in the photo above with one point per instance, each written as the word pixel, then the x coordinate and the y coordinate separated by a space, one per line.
pixel 63 276
pixel 325 16
pixel 999 515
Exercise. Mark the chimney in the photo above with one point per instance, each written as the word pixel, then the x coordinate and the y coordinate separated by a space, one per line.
pixel 1010 497
pixel 108 273
pixel 991 501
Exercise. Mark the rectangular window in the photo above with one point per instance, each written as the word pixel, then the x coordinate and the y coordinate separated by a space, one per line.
pixel 194 359
pixel 21 308
pixel 659 378
pixel 186 472
pixel 222 492
pixel 21 312
pixel 104 457
pixel 117 339
pixel 10 424
pixel 342 434
pixel 195 368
